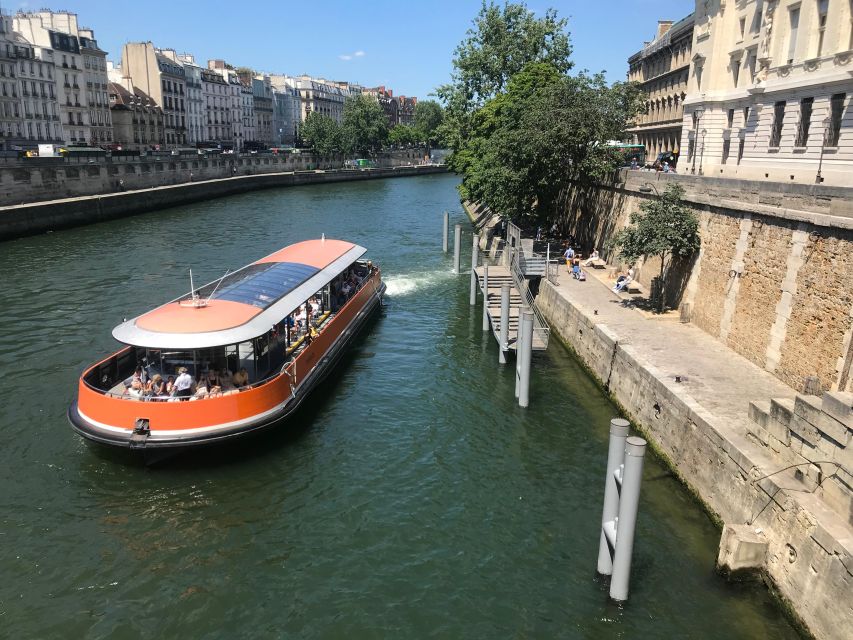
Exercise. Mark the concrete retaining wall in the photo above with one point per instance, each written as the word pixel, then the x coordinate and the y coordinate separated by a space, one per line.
pixel 39 217
pixel 806 564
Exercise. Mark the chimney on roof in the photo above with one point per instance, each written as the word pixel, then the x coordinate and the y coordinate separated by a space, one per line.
pixel 663 27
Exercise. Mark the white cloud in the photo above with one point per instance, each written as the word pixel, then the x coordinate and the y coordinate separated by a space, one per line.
pixel 349 56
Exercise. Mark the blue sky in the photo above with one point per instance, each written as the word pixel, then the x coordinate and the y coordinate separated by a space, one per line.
pixel 407 46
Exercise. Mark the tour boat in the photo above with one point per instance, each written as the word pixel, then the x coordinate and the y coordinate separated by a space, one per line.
pixel 254 342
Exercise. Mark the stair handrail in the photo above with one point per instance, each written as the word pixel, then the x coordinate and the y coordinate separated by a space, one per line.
pixel 540 327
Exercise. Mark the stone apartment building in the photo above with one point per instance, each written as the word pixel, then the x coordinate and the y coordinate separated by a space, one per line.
pixel 286 111
pixel 661 69
pixel 263 107
pixel 32 119
pixel 195 98
pixel 235 94
pixel 137 118
pixel 770 91
pixel 79 69
pixel 162 79
pixel 406 110
pixel 218 131
pixel 390 105
pixel 318 95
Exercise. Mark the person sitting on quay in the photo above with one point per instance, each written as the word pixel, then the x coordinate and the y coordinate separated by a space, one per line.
pixel 592 258
pixel 624 280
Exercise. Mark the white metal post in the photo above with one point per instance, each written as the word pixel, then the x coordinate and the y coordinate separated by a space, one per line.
pixel 445 229
pixel 504 332
pixel 519 342
pixel 629 500
pixel 457 247
pixel 526 358
pixel 615 458
pixel 475 250
pixel 485 297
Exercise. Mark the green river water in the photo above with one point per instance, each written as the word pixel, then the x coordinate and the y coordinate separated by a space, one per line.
pixel 410 498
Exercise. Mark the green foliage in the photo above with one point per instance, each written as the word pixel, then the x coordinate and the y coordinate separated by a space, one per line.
pixel 428 119
pixel 402 135
pixel 364 129
pixel 543 132
pixel 321 133
pixel 665 228
pixel 503 40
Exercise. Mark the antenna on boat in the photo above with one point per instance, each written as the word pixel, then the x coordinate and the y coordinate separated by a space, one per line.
pixel 323 237
pixel 217 284
pixel 195 300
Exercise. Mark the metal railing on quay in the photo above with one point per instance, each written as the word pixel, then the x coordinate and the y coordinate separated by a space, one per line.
pixel 540 327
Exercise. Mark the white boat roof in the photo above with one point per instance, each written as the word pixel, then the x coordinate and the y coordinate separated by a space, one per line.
pixel 244 304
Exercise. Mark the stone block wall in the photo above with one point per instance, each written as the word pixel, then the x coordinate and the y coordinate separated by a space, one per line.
pixel 807 562
pixel 773 283
pixel 39 179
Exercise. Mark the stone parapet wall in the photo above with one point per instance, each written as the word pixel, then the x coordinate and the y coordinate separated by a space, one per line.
pixel 39 217
pixel 771 281
pixel 808 561
pixel 39 179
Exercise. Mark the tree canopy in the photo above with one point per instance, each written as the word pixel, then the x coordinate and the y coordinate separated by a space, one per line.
pixel 520 128
pixel 364 129
pixel 665 227
pixel 321 133
pixel 428 119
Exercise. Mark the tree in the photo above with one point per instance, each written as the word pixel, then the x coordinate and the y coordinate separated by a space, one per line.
pixel 502 41
pixel 364 129
pixel 403 135
pixel 321 133
pixel 544 132
pixel 428 118
pixel 665 228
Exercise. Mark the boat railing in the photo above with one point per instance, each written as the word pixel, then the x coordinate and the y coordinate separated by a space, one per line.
pixel 292 352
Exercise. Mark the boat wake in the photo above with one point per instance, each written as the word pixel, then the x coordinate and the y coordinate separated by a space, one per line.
pixel 407 284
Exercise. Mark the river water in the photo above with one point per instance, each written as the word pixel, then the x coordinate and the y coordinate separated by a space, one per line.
pixel 410 498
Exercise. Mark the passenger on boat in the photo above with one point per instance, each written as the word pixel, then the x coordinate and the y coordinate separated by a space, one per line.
pixel 200 391
pixel 157 386
pixel 136 389
pixel 183 384
pixel 213 379
pixel 170 386
pixel 241 378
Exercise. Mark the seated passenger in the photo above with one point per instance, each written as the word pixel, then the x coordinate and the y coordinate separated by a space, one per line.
pixel 157 386
pixel 213 378
pixel 200 391
pixel 136 389
pixel 241 378
pixel 170 386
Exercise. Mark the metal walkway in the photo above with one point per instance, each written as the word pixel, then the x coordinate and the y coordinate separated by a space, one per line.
pixel 498 277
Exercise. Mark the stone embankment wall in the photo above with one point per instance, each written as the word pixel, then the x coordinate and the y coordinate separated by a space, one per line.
pixel 805 560
pixel 772 279
pixel 38 179
pixel 39 217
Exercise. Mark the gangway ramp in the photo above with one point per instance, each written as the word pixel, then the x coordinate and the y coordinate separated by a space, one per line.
pixel 498 277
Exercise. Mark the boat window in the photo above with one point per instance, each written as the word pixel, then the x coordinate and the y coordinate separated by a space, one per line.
pixel 259 285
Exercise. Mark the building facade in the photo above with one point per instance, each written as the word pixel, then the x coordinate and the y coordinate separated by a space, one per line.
pixel 406 110
pixel 770 91
pixel 162 79
pixel 317 95
pixel 79 69
pixel 286 111
pixel 390 105
pixel 217 107
pixel 137 119
pixel 661 69
pixel 263 108
pixel 195 99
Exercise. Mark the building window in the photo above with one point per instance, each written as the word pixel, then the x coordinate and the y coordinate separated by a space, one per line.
pixel 730 119
pixel 742 27
pixel 778 120
pixel 836 108
pixel 756 21
pixel 805 121
pixel 726 146
pixel 794 19
pixel 822 8
pixel 740 150
pixel 751 59
pixel 735 71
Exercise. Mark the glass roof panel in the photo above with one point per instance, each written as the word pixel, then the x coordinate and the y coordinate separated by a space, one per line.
pixel 260 285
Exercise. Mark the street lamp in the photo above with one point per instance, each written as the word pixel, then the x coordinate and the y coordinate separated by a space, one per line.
pixel 702 151
pixel 819 178
pixel 697 116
